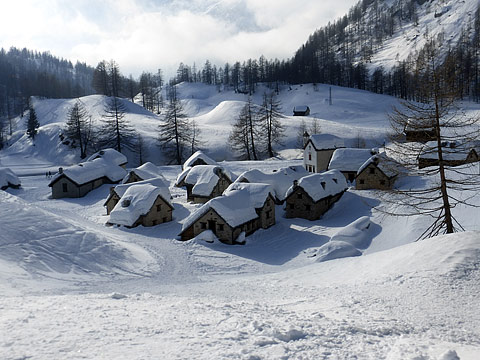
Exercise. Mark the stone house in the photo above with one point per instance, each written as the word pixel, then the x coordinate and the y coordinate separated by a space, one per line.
pixel 78 180
pixel 454 154
pixel 116 192
pixel 280 179
pixel 244 207
pixel 143 172
pixel 318 151
pixel 142 204
pixel 111 156
pixel 204 182
pixel 378 172
pixel 8 179
pixel 349 160
pixel 418 131
pixel 302 110
pixel 312 196
pixel 198 158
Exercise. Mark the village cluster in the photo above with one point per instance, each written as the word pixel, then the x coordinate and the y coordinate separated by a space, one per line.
pixel 236 206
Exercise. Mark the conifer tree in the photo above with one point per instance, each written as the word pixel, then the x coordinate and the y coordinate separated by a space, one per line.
pixel 32 123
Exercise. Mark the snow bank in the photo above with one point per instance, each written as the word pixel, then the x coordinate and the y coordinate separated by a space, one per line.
pixel 336 250
pixel 355 234
pixel 8 178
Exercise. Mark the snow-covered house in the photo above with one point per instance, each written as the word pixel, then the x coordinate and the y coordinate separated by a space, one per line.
pixel 302 110
pixel 318 151
pixel 142 204
pixel 419 131
pixel 378 172
pixel 78 180
pixel 116 192
pixel 244 207
pixel 454 154
pixel 198 158
pixel 204 182
pixel 280 179
pixel 313 195
pixel 8 179
pixel 143 172
pixel 349 160
pixel 111 156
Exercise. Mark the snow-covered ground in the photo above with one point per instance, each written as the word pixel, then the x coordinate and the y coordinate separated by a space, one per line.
pixel 74 288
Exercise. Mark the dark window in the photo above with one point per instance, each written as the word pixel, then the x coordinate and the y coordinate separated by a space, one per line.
pixel 299 196
pixel 203 225
pixel 372 171
pixel 382 182
pixel 269 214
pixel 220 227
pixel 309 156
pixel 308 207
pixel 292 206
pixel 164 219
pixel 362 182
pixel 64 187
pixel 159 207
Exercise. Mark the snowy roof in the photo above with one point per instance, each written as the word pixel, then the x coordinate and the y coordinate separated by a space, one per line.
pixel 203 178
pixel 301 108
pixel 91 170
pixel 145 171
pixel 348 159
pixel 319 186
pixel 280 180
pixel 8 178
pixel 158 182
pixel 198 156
pixel 326 141
pixel 451 150
pixel 386 164
pixel 110 155
pixel 236 207
pixel 137 201
pixel 419 125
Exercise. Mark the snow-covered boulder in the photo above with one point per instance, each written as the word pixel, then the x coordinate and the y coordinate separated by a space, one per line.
pixel 336 250
pixel 355 234
pixel 8 178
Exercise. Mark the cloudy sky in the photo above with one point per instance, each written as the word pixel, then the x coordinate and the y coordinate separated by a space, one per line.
pixel 151 34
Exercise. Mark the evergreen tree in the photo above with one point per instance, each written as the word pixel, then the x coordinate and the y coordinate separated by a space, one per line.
pixel 32 123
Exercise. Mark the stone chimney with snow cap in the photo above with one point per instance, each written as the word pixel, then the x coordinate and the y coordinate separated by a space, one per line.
pixel 60 170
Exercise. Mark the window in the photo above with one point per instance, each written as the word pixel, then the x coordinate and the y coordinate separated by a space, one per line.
pixel 203 225
pixel 309 156
pixel 362 182
pixel 372 171
pixel 308 207
pixel 299 196
pixel 164 219
pixel 64 187
pixel 159 207
pixel 269 214
pixel 382 182
pixel 220 227
pixel 291 206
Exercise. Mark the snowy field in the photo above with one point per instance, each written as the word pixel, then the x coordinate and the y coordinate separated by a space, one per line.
pixel 73 288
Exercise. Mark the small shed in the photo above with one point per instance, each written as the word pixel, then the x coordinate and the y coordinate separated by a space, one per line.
pixel 318 151
pixel 280 179
pixel 198 158
pixel 453 153
pixel 349 160
pixel 313 195
pixel 78 180
pixel 243 208
pixel 8 179
pixel 142 204
pixel 143 172
pixel 419 131
pixel 204 182
pixel 302 110
pixel 378 172
pixel 111 156
pixel 116 192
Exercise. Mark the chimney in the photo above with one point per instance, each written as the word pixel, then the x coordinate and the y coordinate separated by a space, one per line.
pixel 60 170
pixel 295 183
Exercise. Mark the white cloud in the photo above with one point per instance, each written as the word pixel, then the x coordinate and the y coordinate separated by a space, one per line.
pixel 147 35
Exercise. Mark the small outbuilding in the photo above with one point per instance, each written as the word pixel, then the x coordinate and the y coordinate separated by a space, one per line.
pixel 198 158
pixel 204 182
pixel 142 204
pixel 419 131
pixel 116 192
pixel 453 154
pixel 349 160
pixel 244 208
pixel 78 180
pixel 302 110
pixel 143 172
pixel 313 195
pixel 8 179
pixel 318 151
pixel 280 179
pixel 378 172
pixel 111 156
